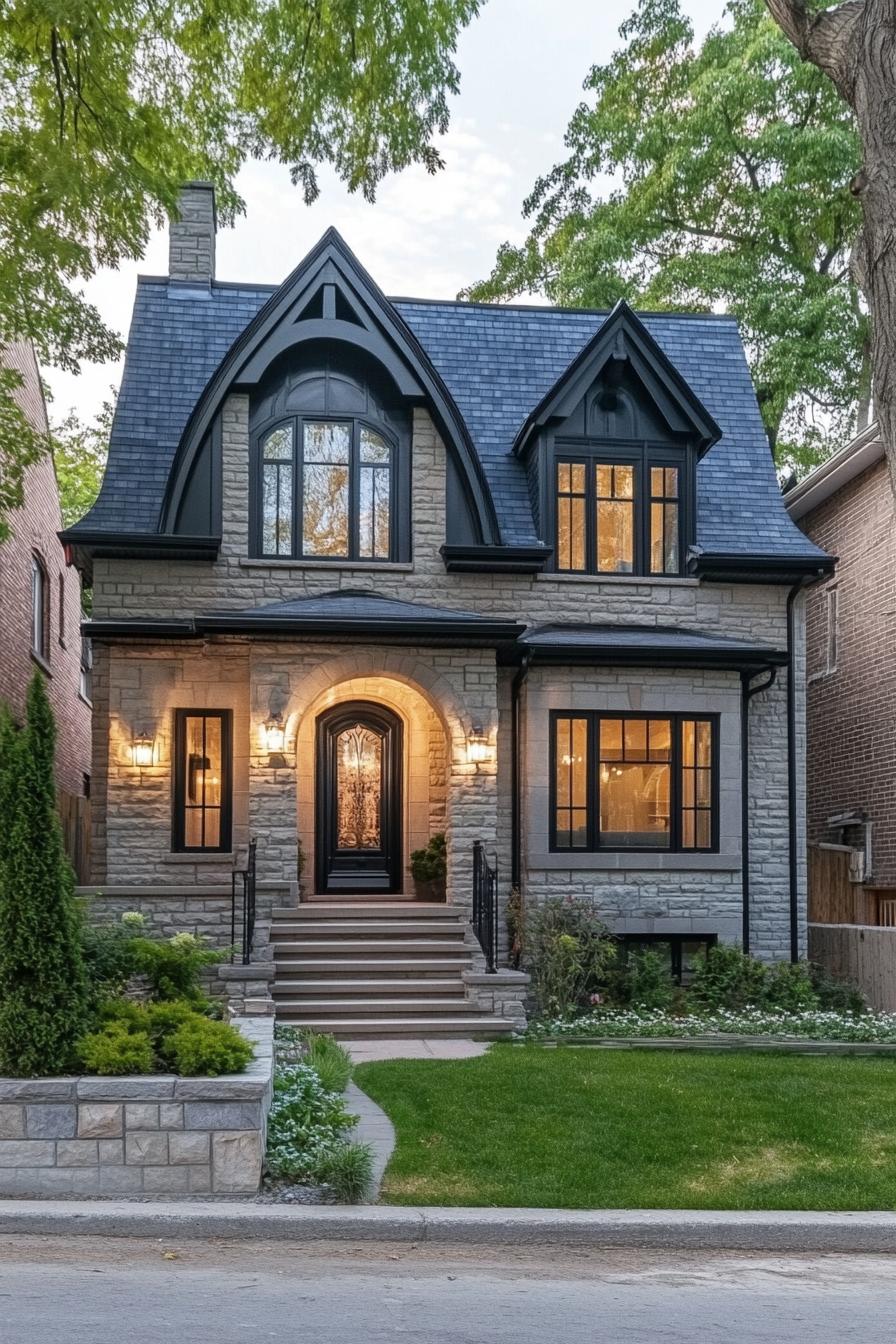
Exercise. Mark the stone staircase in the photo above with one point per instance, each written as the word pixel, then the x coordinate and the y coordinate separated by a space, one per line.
pixel 381 969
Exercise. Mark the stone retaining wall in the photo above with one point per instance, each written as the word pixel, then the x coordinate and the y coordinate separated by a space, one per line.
pixel 159 1135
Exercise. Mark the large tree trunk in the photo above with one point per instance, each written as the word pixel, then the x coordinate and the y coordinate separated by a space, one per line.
pixel 855 45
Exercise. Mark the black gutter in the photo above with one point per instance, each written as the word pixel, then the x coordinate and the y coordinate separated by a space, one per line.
pixel 495 559
pixel 758 568
pixel 746 695
pixel 489 632
pixel 515 780
pixel 734 660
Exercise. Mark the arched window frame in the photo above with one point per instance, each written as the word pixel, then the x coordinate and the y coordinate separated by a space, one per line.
pixel 399 500
pixel 40 608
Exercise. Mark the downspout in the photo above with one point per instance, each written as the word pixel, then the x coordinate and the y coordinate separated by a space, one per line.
pixel 515 781
pixel 746 695
pixel 793 867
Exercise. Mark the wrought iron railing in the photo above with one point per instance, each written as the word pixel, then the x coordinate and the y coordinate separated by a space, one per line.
pixel 242 893
pixel 485 906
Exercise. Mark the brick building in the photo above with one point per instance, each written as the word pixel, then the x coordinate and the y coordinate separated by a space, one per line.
pixel 40 601
pixel 846 506
pixel 366 570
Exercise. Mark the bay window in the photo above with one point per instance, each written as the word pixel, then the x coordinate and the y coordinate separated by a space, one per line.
pixel 633 782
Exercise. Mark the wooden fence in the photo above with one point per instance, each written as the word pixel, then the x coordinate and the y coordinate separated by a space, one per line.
pixel 861 953
pixel 833 899
pixel 74 814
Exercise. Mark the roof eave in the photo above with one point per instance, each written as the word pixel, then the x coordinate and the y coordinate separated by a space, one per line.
pixel 864 451
pixel 495 559
pixel 785 569
pixel 748 658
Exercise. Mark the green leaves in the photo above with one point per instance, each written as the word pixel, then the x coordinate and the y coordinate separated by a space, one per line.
pixel 107 106
pixel 713 177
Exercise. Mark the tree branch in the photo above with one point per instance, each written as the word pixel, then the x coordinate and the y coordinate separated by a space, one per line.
pixel 825 39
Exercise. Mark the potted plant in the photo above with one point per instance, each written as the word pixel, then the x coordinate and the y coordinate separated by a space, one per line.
pixel 429 868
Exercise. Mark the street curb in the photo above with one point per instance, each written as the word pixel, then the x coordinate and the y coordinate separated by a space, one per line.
pixel 656 1229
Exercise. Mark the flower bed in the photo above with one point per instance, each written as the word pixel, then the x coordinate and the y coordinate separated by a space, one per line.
pixel 645 1023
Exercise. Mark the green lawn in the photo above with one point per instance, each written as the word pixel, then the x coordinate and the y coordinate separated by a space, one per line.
pixel 587 1129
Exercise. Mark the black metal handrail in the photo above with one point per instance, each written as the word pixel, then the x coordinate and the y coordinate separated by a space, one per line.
pixel 242 885
pixel 485 906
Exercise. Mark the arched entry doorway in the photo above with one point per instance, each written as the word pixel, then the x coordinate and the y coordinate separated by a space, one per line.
pixel 358 808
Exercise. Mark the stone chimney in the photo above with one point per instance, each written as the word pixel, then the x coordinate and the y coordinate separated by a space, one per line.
pixel 191 238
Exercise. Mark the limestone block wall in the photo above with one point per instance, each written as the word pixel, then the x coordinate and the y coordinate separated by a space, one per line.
pixel 88 1136
pixel 459 684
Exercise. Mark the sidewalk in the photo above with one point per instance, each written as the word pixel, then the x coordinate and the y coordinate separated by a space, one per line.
pixel 635 1228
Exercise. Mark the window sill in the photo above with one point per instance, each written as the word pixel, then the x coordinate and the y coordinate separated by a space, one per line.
pixel 634 861
pixel 633 580
pixel 42 663
pixel 365 566
pixel 199 856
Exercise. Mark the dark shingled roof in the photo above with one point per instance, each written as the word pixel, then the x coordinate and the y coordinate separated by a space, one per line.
pixel 497 362
pixel 352 604
pixel 647 641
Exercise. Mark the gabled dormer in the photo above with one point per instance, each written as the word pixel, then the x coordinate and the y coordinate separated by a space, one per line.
pixel 611 454
pixel 332 375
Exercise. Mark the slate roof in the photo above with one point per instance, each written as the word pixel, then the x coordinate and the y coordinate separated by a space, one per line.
pixel 356 606
pixel 497 362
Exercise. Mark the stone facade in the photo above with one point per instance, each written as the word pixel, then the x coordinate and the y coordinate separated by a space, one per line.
pixel 143 1136
pixel 439 694
pixel 191 238
pixel 34 528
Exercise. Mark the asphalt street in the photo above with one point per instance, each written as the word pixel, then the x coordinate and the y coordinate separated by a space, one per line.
pixel 96 1291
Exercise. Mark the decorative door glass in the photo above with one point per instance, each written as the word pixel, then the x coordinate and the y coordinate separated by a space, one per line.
pixel 359 785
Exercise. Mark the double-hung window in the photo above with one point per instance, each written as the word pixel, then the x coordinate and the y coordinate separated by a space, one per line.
pixel 203 791
pixel 618 512
pixel 633 782
pixel 40 609
pixel 327 491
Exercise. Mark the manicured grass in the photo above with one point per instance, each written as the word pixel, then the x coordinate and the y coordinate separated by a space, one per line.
pixel 590 1129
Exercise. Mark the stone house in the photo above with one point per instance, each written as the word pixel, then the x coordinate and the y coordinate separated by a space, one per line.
pixel 40 599
pixel 367 570
pixel 846 506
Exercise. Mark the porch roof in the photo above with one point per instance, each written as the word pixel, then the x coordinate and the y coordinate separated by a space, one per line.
pixel 647 646
pixel 345 612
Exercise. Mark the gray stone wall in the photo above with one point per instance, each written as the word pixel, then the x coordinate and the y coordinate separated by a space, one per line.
pixel 460 686
pixel 191 237
pixel 88 1137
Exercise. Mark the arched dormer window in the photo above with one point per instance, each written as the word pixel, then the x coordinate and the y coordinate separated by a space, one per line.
pixel 327 491
pixel 332 464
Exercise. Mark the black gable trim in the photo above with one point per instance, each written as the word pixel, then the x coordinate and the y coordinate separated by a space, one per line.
pixel 623 338
pixel 368 320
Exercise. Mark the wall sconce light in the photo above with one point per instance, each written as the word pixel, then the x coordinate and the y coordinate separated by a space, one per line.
pixel 478 746
pixel 275 735
pixel 142 750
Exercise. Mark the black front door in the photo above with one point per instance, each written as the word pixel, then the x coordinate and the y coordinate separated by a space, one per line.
pixel 358 826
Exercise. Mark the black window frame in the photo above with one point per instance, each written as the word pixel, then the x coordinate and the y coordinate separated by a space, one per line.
pixel 641 454
pixel 593 719
pixel 397 495
pixel 674 941
pixel 179 782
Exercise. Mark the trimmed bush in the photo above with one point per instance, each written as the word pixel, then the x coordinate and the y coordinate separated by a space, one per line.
pixel 115 1050
pixel 202 1046
pixel 43 991
pixel 173 967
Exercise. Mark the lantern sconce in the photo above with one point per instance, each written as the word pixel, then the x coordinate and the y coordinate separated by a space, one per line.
pixel 479 749
pixel 142 750
pixel 274 731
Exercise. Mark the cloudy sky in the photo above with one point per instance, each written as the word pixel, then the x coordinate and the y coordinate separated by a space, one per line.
pixel 522 64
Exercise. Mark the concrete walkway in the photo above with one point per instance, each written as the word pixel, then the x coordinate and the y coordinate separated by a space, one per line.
pixel 366 1052
pixel 374 1128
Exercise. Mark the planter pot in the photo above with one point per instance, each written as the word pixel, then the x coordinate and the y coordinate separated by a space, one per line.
pixel 433 890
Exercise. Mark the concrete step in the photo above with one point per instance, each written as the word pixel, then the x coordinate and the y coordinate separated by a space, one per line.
pixel 384 1028
pixel 367 947
pixel 392 1008
pixel 373 909
pixel 312 930
pixel 394 987
pixel 361 966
